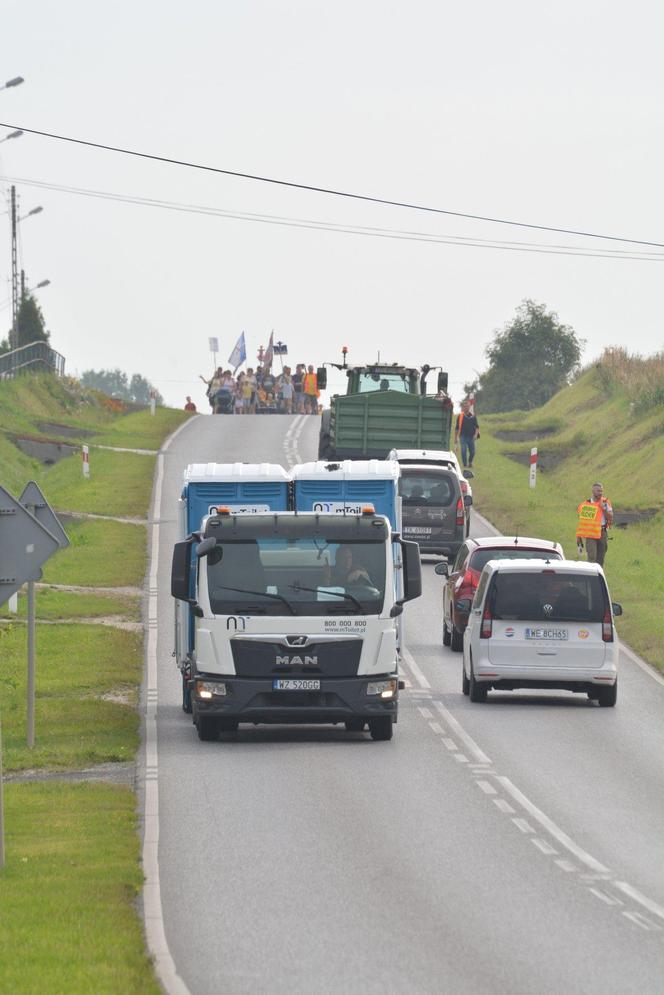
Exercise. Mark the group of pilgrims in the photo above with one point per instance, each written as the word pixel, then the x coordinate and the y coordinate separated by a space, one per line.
pixel 261 391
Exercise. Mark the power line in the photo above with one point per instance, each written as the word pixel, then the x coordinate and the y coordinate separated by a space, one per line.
pixel 326 190
pixel 398 234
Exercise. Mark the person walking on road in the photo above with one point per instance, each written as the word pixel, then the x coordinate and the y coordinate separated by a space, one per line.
pixel 310 391
pixel 466 431
pixel 190 406
pixel 595 519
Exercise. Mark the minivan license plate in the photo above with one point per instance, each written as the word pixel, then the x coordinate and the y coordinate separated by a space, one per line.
pixel 294 684
pixel 551 634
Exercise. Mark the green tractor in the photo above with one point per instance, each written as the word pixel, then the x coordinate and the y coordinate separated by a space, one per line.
pixel 385 407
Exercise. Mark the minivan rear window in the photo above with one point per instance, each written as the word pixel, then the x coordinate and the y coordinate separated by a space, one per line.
pixel 550 595
pixel 481 557
pixel 428 488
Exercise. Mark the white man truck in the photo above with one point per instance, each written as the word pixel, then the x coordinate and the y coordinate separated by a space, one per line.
pixel 294 614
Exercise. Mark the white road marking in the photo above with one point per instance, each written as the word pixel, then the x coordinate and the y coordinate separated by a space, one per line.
pixel 523 825
pixel 565 865
pixel 450 744
pixel 645 667
pixel 425 712
pixel 407 657
pixel 641 921
pixel 470 743
pixel 504 806
pixel 486 787
pixel 603 897
pixel 543 846
pixel 637 896
pixel 436 726
pixel 155 933
pixel 461 758
pixel 551 827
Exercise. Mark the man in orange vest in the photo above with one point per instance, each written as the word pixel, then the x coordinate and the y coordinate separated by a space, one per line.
pixel 595 518
pixel 310 391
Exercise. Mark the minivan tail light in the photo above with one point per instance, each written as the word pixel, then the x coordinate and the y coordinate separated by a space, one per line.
pixel 607 626
pixel 487 624
pixel 460 514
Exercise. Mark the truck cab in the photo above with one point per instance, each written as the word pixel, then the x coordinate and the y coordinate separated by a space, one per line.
pixel 295 618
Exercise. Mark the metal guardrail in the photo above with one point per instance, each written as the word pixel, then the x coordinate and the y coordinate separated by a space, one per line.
pixel 36 356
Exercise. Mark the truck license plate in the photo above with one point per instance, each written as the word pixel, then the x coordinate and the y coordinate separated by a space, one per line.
pixel 294 684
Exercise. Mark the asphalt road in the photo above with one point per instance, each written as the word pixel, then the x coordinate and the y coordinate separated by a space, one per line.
pixel 512 847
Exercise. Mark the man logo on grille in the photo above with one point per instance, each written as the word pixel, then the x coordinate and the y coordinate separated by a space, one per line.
pixel 297 661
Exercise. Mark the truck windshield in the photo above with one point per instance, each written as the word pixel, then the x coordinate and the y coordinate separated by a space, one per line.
pixel 384 381
pixel 300 576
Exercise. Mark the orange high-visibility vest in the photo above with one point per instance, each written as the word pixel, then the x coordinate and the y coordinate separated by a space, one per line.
pixel 590 520
pixel 310 384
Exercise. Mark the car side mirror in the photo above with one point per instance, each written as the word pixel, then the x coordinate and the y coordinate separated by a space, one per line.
pixel 464 605
pixel 441 569
pixel 321 377
pixel 617 608
pixel 468 474
pixel 468 500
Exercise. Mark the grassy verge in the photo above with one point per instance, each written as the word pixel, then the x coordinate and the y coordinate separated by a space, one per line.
pixel 52 604
pixel 588 434
pixel 69 923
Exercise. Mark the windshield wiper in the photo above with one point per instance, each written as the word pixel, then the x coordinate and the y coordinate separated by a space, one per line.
pixel 336 594
pixel 261 594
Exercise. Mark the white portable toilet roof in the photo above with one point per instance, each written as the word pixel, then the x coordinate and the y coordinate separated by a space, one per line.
pixel 347 470
pixel 250 473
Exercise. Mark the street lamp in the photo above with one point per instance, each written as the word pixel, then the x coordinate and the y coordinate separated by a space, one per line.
pixel 43 283
pixel 35 210
pixel 12 82
pixel 12 134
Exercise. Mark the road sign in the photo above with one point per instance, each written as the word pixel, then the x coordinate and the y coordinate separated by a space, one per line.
pixel 33 499
pixel 25 544
pixel 214 345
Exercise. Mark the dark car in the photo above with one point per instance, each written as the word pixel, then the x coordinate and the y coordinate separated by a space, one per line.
pixel 464 574
pixel 433 508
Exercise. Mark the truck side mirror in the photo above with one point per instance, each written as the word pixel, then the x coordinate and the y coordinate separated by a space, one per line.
pixel 442 382
pixel 321 377
pixel 181 570
pixel 412 570
pixel 205 547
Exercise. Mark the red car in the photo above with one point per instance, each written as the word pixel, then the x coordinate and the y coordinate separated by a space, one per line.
pixel 464 574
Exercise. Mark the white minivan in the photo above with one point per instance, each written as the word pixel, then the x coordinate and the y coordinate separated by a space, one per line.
pixel 542 624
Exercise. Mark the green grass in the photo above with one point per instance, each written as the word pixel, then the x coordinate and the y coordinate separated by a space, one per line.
pixel 141 430
pixel 120 484
pixel 75 725
pixel 101 554
pixel 53 604
pixel 69 924
pixel 621 449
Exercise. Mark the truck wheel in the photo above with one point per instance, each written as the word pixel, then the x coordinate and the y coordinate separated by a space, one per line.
pixel 355 725
pixel 607 697
pixel 456 639
pixel 325 447
pixel 186 695
pixel 381 728
pixel 447 638
pixel 208 728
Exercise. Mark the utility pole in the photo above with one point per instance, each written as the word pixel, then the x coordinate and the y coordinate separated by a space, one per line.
pixel 14 333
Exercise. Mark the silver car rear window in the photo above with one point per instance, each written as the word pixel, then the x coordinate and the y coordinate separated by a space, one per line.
pixel 481 557
pixel 550 595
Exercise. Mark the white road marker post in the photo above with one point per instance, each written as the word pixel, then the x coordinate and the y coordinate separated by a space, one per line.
pixel 12 604
pixel 86 461
pixel 153 401
pixel 533 466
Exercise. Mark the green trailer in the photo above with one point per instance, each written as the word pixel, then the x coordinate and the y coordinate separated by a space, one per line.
pixel 385 407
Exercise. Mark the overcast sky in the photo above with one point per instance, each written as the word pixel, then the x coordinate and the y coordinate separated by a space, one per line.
pixel 544 113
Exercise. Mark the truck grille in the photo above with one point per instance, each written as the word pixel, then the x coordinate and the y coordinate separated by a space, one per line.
pixel 326 659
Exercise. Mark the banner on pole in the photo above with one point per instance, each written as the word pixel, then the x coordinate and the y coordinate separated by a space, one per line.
pixel 269 352
pixel 239 353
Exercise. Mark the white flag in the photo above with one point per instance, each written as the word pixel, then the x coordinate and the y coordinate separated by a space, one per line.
pixel 239 353
pixel 269 352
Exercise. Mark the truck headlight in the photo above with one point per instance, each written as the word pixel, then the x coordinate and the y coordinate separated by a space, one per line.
pixel 386 689
pixel 208 689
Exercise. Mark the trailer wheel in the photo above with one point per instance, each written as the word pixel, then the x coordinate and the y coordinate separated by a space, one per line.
pixel 381 728
pixel 208 728
pixel 325 447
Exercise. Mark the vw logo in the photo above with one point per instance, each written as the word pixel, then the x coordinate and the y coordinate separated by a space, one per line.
pixel 547 609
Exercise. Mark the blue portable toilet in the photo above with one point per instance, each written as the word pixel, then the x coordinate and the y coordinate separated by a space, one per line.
pixel 345 487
